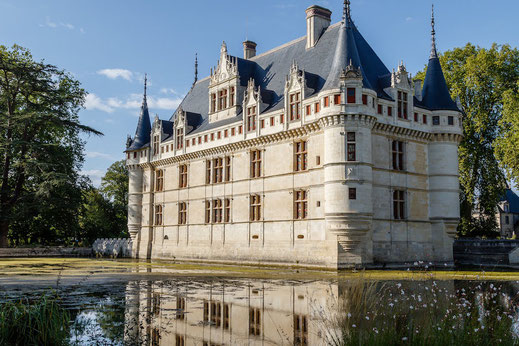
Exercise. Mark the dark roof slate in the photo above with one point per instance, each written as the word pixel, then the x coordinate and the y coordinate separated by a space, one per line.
pixel 512 199
pixel 435 92
pixel 143 132
pixel 269 71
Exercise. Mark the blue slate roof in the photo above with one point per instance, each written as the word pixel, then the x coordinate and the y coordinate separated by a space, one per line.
pixel 435 93
pixel 512 199
pixel 322 65
pixel 143 133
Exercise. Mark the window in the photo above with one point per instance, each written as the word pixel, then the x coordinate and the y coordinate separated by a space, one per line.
pixel 351 95
pixel 219 135
pixel 240 129
pixel 352 151
pixel 162 150
pixel 217 211
pixel 213 103
pixel 233 131
pixel 227 168
pixel 390 111
pixel 295 106
pixel 255 208
pixel 416 117
pixel 226 133
pixel 425 119
pixel 365 100
pixel 254 321
pixel 216 313
pixel 255 164
pixel 262 123
pixel 182 182
pixel 300 330
pixel 226 316
pixel 193 141
pixel 251 118
pixel 212 136
pixel 398 155
pixel 308 110
pixel 507 208
pixel 352 193
pixel 337 99
pixel 272 121
pixel 159 180
pixel 399 205
pixel 182 213
pixel 158 215
pixel 222 99
pixel 300 205
pixel 155 144
pixel 205 138
pixel 317 107
pixel 507 219
pixel 326 101
pixel 231 97
pixel 379 110
pixel 450 120
pixel 179 340
pixel 436 120
pixel 180 138
pixel 207 212
pixel 402 105
pixel 227 210
pixel 300 156
pixel 155 337
pixel 200 140
pixel 181 308
pixel 282 119
pixel 217 170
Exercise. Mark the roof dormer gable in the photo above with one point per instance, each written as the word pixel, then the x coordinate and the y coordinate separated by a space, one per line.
pixel 226 69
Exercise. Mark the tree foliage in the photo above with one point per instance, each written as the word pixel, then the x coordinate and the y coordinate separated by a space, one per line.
pixel 481 79
pixel 41 152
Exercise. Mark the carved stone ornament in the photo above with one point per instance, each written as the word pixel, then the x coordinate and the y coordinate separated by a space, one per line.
pixel 351 72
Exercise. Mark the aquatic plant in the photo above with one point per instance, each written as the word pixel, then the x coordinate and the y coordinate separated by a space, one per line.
pixel 433 313
pixel 40 322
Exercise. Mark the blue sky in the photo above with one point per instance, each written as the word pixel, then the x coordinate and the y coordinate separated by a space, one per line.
pixel 109 44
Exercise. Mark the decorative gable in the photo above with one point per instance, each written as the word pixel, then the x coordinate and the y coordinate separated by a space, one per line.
pixel 223 88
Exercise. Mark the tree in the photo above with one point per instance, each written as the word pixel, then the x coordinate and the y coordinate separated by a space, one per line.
pixel 507 143
pixel 479 78
pixel 115 184
pixel 40 148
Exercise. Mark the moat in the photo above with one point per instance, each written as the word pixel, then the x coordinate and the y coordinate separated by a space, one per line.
pixel 123 302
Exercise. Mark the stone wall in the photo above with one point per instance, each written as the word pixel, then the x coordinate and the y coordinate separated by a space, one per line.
pixel 486 252
pixel 53 251
pixel 105 247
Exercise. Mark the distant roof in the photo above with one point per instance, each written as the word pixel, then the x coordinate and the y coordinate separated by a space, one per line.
pixel 435 93
pixel 512 199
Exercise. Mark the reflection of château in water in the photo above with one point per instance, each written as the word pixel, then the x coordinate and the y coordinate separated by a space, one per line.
pixel 227 313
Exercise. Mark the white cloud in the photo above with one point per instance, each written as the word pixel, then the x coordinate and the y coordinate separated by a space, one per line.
pixel 50 24
pixel 114 73
pixel 97 155
pixel 133 101
pixel 408 19
pixel 93 102
pixel 82 30
pixel 95 175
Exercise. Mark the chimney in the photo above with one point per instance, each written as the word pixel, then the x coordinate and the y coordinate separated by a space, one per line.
pixel 249 50
pixel 318 19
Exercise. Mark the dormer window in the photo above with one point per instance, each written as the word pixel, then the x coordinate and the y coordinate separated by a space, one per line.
pixel 231 97
pixel 156 144
pixel 351 95
pixel 251 118
pixel 180 138
pixel 222 99
pixel 402 105
pixel 295 106
pixel 213 103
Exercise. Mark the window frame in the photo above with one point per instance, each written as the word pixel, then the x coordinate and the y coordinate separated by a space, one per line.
pixel 255 208
pixel 351 146
pixel 159 180
pixel 182 213
pixel 399 205
pixel 294 106
pixel 398 155
pixel 300 156
pixel 182 176
pixel 255 163
pixel 300 204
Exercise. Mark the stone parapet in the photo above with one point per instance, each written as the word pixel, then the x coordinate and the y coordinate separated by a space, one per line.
pixel 116 247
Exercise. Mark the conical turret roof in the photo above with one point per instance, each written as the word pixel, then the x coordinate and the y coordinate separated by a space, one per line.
pixel 143 132
pixel 435 92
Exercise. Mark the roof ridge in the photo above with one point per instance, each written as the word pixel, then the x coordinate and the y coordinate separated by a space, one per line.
pixel 275 49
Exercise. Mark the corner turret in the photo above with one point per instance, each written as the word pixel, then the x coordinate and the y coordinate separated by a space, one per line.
pixel 142 134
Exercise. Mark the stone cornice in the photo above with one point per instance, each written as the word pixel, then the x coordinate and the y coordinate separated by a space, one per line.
pixel 446 137
pixel 402 131
pixel 342 119
pixel 245 144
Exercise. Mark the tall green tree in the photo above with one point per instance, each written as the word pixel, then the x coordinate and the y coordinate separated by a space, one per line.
pixel 480 78
pixel 40 148
pixel 507 143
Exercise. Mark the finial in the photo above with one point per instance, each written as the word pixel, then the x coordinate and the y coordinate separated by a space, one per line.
pixel 346 13
pixel 196 69
pixel 434 52
pixel 145 85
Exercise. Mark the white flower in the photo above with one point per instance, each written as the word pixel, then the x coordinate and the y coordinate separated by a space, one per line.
pixel 354 325
pixel 476 330
pixel 367 318
pixel 404 338
pixel 349 315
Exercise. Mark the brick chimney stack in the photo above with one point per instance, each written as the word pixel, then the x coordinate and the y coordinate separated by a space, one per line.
pixel 249 50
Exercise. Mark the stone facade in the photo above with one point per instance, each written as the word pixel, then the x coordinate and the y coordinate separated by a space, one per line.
pixel 327 174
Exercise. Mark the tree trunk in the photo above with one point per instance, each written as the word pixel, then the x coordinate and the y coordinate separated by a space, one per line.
pixel 4 229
